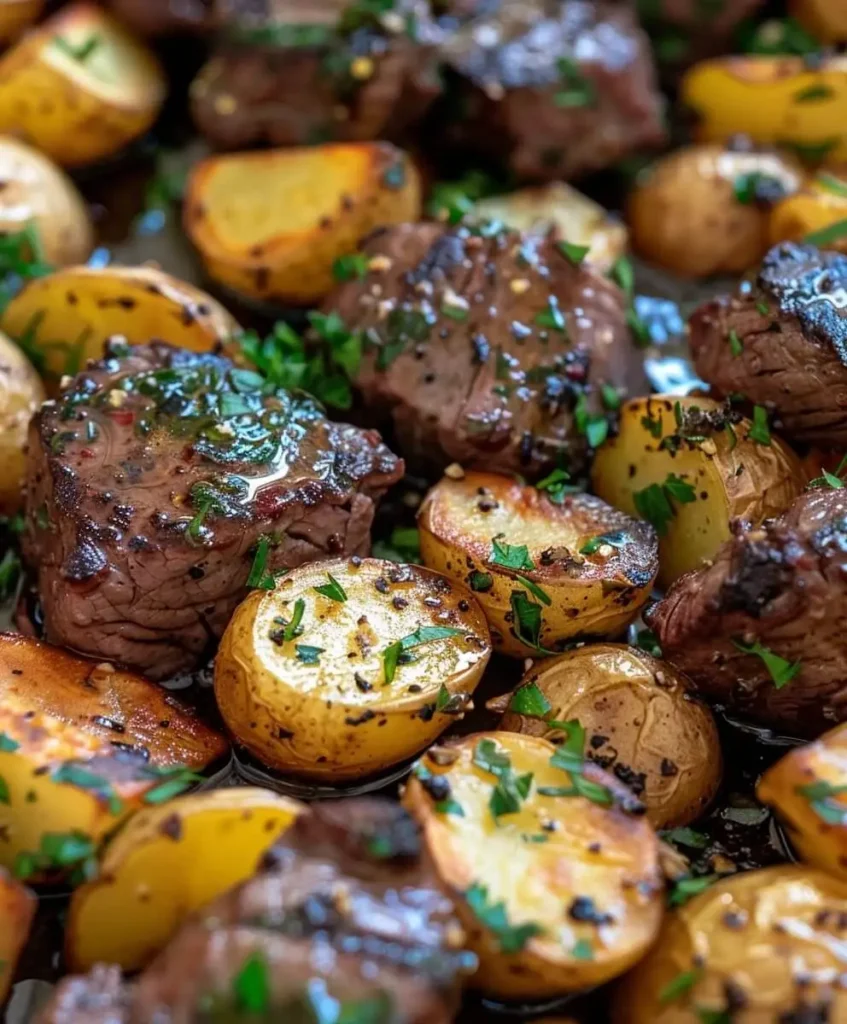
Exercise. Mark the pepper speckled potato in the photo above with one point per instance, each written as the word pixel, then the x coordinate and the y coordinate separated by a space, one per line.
pixel 21 394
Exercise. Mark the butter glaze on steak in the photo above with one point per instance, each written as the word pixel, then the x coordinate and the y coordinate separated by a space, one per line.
pixel 151 480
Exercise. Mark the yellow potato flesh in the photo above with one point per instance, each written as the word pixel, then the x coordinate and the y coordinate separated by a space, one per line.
pixel 821 204
pixel 17 909
pixel 317 720
pixel 166 863
pixel 590 851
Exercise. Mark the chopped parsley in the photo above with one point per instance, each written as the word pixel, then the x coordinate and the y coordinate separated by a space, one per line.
pixel 821 796
pixel 450 806
pixel 647 640
pixel 259 577
pixel 592 425
pixel 684 836
pixel 735 346
pixel 582 950
pixel 679 986
pixel 534 589
pixel 512 938
pixel 575 89
pixel 59 851
pixel 481 581
pixel 831 184
pixel 352 267
pixel 510 790
pixel 293 627
pixel 760 430
pixel 687 888
pixel 555 485
pixel 780 670
pixel 7 744
pixel 655 502
pixel 251 986
pixel 332 589
pixel 831 480
pixel 813 94
pixel 552 317
pixel 530 700
pixel 393 655
pixel 826 236
pixel 572 252
pixel 570 755
pixel 653 425
pixel 79 51
pixel 527 616
pixel 593 544
pixel 4 792
pixel 173 781
pixel 403 545
pixel 308 655
pixel 510 556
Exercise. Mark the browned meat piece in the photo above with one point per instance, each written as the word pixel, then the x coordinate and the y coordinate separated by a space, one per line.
pixel 346 907
pixel 782 342
pixel 164 17
pixel 554 88
pixel 775 592
pixel 152 479
pixel 489 349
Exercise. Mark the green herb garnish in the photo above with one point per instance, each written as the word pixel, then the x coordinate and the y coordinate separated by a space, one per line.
pixel 510 556
pixel 780 670
pixel 332 589
pixel 530 700
pixel 655 502
pixel 512 938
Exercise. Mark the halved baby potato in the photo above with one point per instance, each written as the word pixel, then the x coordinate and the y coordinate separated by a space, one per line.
pixel 690 469
pixel 15 16
pixel 349 666
pixel 641 720
pixel 554 871
pixel 808 789
pixel 543 572
pixel 775 100
pixel 79 87
pixel 106 703
pixel 35 191
pixel 166 863
pixel 571 215
pixel 271 224
pixel 762 945
pixel 819 207
pixel 21 394
pixel 17 910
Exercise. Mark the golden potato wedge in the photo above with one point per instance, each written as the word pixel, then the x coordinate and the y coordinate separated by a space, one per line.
pixel 808 789
pixel 554 871
pixel 349 666
pixel 17 910
pixel 271 224
pixel 691 470
pixel 760 946
pixel 35 191
pixel 704 209
pixel 21 393
pixel 105 702
pixel 825 19
pixel 777 101
pixel 67 316
pixel 79 87
pixel 641 720
pixel 15 16
pixel 571 215
pixel 818 209
pixel 543 572
pixel 166 863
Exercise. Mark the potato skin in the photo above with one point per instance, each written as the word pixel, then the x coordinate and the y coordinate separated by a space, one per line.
pixel 813 826
pixel 590 594
pixel 21 394
pixel 827 21
pixel 642 722
pixel 79 111
pixel 540 882
pixel 820 203
pixel 338 718
pixel 15 16
pixel 733 476
pixel 17 910
pixel 684 213
pixel 270 224
pixel 769 937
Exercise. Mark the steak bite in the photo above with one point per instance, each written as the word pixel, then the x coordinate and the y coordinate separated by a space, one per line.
pixel 160 477
pixel 762 630
pixel 489 348
pixel 554 88
pixel 781 341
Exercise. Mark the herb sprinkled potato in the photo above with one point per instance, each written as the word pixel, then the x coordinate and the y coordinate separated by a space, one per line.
pixel 167 862
pixel 271 224
pixel 79 87
pixel 65 318
pixel 641 721
pixel 349 666
pixel 553 865
pixel 761 946
pixel 17 909
pixel 808 789
pixel 546 566
pixel 690 467
pixel 817 213
pixel 21 394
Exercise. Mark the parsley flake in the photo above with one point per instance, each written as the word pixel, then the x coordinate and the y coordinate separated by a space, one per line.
pixel 780 670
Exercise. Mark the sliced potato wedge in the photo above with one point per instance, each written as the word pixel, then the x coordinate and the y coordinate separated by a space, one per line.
pixel 543 572
pixel 559 207
pixel 166 863
pixel 820 206
pixel 17 910
pixel 808 789
pixel 79 87
pixel 641 720
pixel 691 470
pixel 271 224
pixel 15 16
pixel 21 394
pixel 66 317
pixel 349 667
pixel 106 703
pixel 555 873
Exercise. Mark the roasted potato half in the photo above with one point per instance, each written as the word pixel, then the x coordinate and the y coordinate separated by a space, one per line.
pixel 36 192
pixel 67 317
pixel 349 667
pixel 704 210
pixel 808 789
pixel 21 393
pixel 825 19
pixel 783 101
pixel 15 16
pixel 759 946
pixel 691 468
pixel 559 207
pixel 544 572
pixel 106 703
pixel 167 862
pixel 79 87
pixel 555 872
pixel 818 208
pixel 270 224
pixel 641 720
pixel 17 910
